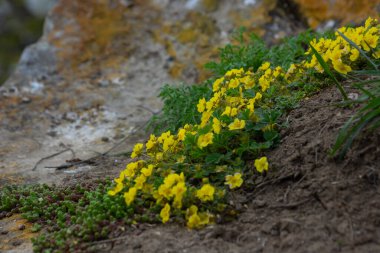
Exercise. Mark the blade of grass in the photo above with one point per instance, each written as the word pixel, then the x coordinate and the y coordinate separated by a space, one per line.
pixel 327 70
pixel 358 128
pixel 367 72
pixel 350 131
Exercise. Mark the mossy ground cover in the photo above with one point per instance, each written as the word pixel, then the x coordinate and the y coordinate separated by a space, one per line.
pixel 210 135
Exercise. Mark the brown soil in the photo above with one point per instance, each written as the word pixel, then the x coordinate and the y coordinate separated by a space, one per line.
pixel 307 202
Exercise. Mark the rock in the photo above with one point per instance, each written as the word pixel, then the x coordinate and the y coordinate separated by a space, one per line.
pixel 98 63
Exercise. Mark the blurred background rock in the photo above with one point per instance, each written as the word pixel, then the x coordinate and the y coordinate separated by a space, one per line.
pixel 21 23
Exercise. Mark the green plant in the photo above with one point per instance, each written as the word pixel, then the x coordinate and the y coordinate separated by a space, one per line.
pixel 368 117
pixel 179 107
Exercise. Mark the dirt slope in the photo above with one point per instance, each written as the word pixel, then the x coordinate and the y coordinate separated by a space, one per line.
pixel 307 202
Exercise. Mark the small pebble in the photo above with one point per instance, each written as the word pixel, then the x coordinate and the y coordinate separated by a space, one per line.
pixel 21 227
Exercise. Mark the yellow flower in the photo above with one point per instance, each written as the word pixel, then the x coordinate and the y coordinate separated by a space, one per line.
pixel 370 22
pixel 217 83
pixel 159 156
pixel 249 82
pixel 130 170
pixel 139 181
pixel 234 112
pixel 178 191
pixel 193 221
pixel 216 126
pixel 210 104
pixel 251 105
pixel 277 71
pixel 198 220
pixel 230 111
pixel 181 134
pixel 168 143
pixel 204 140
pixel 151 142
pixel 237 124
pixel 234 83
pixel 165 191
pixel 193 209
pixel 264 83
pixel 137 150
pixel 227 111
pixel 116 190
pixel 165 213
pixel 234 181
pixel 130 195
pixel 147 171
pixel 171 179
pixel 163 137
pixel 206 193
pixel 264 66
pixel 354 54
pixel 258 96
pixel 341 67
pixel 201 106
pixel 261 164
pixel 234 72
pixel 369 41
pixel 205 117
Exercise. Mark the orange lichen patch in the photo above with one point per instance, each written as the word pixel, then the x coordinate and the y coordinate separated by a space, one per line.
pixel 254 19
pixel 345 11
pixel 176 70
pixel 187 35
pixel 207 55
pixel 86 41
pixel 196 32
pixel 15 235
pixel 195 27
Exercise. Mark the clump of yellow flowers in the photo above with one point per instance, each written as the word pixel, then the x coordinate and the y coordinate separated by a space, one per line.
pixel 190 174
pixel 341 55
pixel 177 171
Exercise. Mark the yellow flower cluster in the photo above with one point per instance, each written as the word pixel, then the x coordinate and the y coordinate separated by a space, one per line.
pixel 340 53
pixel 230 109
pixel 165 175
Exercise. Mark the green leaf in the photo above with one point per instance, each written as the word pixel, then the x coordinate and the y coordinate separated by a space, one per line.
pixel 270 135
pixel 214 158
